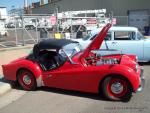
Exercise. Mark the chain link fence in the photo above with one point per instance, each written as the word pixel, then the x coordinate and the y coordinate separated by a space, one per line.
pixel 30 29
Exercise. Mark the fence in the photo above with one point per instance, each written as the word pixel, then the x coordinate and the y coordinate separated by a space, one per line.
pixel 25 29
pixel 29 29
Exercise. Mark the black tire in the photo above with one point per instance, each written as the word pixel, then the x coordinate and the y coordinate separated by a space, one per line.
pixel 117 89
pixel 26 80
pixel 32 27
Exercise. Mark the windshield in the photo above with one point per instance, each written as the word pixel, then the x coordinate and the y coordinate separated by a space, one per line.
pixel 87 37
pixel 139 36
pixel 70 50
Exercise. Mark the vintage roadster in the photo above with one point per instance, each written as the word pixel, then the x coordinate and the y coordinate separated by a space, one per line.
pixel 62 64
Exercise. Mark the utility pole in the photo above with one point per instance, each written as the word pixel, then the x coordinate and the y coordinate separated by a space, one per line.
pixel 26 6
pixel 57 29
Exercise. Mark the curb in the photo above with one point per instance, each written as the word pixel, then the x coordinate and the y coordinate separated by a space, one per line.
pixel 4 86
pixel 16 48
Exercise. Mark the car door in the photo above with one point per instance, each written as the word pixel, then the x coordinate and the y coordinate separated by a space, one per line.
pixel 69 76
pixel 127 43
pixel 107 45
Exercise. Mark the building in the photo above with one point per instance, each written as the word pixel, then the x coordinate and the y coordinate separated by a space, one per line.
pixel 3 13
pixel 126 12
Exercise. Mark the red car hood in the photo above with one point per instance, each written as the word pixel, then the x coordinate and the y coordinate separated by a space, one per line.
pixel 97 42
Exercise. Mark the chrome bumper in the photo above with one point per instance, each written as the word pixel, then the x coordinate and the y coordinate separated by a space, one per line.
pixel 142 81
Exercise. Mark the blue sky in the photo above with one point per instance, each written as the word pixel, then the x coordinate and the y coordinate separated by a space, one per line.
pixel 15 3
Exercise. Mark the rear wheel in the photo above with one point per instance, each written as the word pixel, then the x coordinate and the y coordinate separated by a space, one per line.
pixel 26 80
pixel 117 88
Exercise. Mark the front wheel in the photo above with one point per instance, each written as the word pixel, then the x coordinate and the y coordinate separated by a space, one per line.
pixel 26 80
pixel 117 88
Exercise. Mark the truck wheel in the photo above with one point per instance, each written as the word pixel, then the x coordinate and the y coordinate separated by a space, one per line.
pixel 26 80
pixel 117 88
pixel 32 27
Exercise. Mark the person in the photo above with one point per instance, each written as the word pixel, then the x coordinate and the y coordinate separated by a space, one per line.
pixel 80 32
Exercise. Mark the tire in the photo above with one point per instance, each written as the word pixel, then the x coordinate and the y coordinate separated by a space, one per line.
pixel 117 88
pixel 27 27
pixel 26 80
pixel 32 27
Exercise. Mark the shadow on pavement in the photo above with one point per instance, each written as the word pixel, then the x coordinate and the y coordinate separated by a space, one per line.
pixel 144 63
pixel 98 96
pixel 67 92
pixel 74 93
pixel 63 92
pixel 13 84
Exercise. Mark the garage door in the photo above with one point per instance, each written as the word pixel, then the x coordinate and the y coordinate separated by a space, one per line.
pixel 139 19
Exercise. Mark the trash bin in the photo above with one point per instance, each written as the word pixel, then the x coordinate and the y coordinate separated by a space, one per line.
pixel 147 30
pixel 43 33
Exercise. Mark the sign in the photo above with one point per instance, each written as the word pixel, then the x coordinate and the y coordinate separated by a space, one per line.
pixel 114 21
pixel 53 20
pixel 91 21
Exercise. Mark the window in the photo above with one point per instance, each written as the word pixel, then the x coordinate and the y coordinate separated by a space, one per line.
pixel 139 36
pixel 124 35
pixel 93 37
pixel 87 37
pixel 108 36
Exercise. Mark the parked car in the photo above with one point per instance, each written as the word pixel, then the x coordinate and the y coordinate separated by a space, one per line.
pixel 30 23
pixel 3 31
pixel 62 64
pixel 10 25
pixel 126 39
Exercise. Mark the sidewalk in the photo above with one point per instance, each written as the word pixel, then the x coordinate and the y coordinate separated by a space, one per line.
pixel 7 55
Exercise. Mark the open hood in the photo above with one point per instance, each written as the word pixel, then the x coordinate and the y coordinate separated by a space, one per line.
pixel 97 42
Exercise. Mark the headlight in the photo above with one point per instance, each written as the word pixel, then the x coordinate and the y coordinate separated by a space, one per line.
pixel 136 67
pixel 136 58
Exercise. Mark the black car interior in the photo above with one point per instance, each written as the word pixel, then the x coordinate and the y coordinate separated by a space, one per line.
pixel 49 60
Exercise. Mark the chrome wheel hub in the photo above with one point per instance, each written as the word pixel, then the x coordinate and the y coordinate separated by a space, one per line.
pixel 117 88
pixel 27 80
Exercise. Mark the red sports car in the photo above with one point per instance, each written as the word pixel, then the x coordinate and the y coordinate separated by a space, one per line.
pixel 62 64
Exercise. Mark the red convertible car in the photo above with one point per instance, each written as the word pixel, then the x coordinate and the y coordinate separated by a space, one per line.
pixel 62 64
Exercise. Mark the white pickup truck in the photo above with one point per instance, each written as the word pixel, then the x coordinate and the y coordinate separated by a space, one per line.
pixel 128 40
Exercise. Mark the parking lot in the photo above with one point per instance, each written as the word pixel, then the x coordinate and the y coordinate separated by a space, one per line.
pixel 61 101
